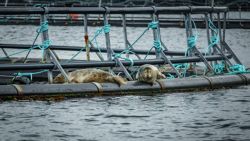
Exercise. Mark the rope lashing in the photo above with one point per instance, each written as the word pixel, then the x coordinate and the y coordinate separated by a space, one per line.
pixel 237 68
pixel 106 28
pixel 119 55
pixel 157 45
pixel 30 74
pixel 219 68
pixel 44 46
pixel 215 38
pixel 191 43
pixel 153 25
pixel 43 27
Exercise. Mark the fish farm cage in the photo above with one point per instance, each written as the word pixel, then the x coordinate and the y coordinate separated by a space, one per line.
pixel 23 77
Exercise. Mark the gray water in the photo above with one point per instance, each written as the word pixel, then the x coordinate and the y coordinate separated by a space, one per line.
pixel 212 115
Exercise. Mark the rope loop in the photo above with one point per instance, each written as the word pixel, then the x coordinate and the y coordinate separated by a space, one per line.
pixel 157 45
pixel 119 55
pixel 192 41
pixel 30 74
pixel 153 25
pixel 237 68
pixel 219 68
pixel 106 28
pixel 43 27
pixel 45 44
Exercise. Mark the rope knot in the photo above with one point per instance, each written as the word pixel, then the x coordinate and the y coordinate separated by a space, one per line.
pixel 157 45
pixel 238 68
pixel 153 25
pixel 219 68
pixel 192 41
pixel 106 28
pixel 215 39
pixel 43 27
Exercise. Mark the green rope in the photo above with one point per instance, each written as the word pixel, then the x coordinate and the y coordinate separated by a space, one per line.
pixel 106 28
pixel 119 55
pixel 30 74
pixel 43 27
pixel 237 68
pixel 153 25
pixel 215 38
pixel 157 45
pixel 219 68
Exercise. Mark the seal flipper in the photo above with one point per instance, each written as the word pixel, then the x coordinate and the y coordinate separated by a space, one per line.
pixel 119 80
pixel 161 75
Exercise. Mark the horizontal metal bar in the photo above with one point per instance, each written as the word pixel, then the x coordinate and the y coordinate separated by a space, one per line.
pixel 107 63
pixel 113 10
pixel 77 48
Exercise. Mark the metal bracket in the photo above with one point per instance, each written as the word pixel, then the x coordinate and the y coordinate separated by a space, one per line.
pixel 98 86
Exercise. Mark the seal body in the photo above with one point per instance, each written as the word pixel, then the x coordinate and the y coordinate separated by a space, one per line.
pixel 149 74
pixel 90 75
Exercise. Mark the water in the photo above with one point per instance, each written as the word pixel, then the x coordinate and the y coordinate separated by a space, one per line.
pixel 213 115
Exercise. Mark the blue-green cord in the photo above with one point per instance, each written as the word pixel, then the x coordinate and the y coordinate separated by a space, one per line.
pixel 219 68
pixel 30 74
pixel 45 45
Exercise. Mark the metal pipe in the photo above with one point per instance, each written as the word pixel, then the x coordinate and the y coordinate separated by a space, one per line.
pixel 107 37
pixel 49 54
pixel 46 55
pixel 86 36
pixel 92 49
pixel 113 10
pixel 208 33
pixel 91 64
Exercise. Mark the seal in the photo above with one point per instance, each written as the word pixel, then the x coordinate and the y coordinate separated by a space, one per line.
pixel 90 75
pixel 149 74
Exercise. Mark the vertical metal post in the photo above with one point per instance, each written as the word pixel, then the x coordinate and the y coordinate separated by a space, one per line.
pixel 107 37
pixel 125 32
pixel 110 51
pixel 86 37
pixel 158 55
pixel 219 28
pixel 48 54
pixel 208 33
pixel 126 42
pixel 195 48
pixel 159 32
pixel 45 36
pixel 224 27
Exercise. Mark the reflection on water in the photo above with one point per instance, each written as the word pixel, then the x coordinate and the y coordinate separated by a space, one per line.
pixel 213 115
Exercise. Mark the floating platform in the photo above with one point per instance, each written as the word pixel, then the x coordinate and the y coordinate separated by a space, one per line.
pixel 132 87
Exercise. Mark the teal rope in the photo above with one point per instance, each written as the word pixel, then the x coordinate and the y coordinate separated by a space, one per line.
pixel 30 74
pixel 153 25
pixel 119 55
pixel 43 27
pixel 237 68
pixel 219 68
pixel 157 45
pixel 170 76
pixel 215 38
pixel 45 45
pixel 105 29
